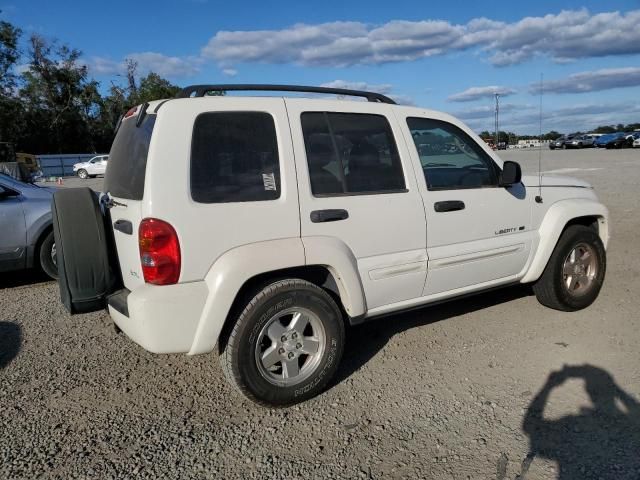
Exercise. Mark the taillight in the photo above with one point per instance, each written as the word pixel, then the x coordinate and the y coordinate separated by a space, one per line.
pixel 159 252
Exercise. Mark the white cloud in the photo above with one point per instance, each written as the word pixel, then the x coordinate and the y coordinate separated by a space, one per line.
pixel 593 81
pixel 565 36
pixel 384 88
pixel 488 111
pixel 230 72
pixel 477 93
pixel 159 63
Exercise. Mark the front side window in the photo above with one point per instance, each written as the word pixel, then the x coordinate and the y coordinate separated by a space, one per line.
pixel 450 158
pixel 234 158
pixel 351 153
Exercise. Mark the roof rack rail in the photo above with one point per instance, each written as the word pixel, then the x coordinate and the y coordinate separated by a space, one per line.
pixel 202 90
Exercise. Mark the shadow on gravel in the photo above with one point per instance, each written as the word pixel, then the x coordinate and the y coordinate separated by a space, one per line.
pixel 602 442
pixel 365 341
pixel 21 278
pixel 10 340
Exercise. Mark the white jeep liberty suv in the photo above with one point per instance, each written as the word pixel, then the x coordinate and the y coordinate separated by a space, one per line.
pixel 258 226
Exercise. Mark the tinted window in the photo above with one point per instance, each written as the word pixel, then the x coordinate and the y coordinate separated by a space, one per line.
pixel 450 158
pixel 128 159
pixel 351 153
pixel 234 158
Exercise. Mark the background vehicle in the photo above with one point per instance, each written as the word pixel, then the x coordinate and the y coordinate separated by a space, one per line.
pixel 245 225
pixel 26 236
pixel 636 143
pixel 582 141
pixel 604 139
pixel 96 166
pixel 560 142
pixel 617 140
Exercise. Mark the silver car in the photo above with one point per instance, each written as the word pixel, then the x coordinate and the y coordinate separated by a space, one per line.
pixel 582 141
pixel 26 232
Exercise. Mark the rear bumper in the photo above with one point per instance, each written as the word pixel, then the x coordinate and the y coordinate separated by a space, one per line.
pixel 161 319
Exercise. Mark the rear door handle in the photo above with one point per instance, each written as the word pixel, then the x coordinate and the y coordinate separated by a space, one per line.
pixel 330 215
pixel 448 206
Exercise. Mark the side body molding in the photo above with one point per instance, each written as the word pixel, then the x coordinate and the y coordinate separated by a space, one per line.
pixel 558 215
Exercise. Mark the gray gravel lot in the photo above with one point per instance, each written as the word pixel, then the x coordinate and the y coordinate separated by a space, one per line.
pixel 440 392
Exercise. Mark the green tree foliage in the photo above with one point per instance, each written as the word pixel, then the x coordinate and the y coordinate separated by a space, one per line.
pixel 51 105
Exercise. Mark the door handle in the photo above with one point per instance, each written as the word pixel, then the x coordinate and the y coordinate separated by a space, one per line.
pixel 123 226
pixel 329 215
pixel 448 206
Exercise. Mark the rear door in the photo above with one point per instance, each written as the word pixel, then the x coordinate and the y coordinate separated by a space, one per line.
pixel 356 184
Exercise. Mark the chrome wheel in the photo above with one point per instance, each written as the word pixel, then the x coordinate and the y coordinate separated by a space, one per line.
pixel 54 257
pixel 290 346
pixel 580 268
pixel 83 174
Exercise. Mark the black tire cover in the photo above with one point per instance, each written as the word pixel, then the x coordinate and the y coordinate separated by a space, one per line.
pixel 86 273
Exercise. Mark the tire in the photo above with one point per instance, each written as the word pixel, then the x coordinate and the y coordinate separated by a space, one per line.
pixel 47 256
pixel 277 306
pixel 555 289
pixel 82 173
pixel 87 265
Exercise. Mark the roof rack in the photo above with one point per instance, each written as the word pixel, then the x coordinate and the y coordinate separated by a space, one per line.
pixel 202 90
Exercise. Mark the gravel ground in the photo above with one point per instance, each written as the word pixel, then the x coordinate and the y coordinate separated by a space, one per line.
pixel 453 391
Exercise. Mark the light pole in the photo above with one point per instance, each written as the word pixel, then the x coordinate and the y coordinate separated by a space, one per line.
pixel 497 118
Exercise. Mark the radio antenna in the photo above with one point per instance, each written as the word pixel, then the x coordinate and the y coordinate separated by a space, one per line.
pixel 539 196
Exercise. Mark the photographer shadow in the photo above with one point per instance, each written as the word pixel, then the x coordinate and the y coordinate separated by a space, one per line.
pixel 10 341
pixel 601 442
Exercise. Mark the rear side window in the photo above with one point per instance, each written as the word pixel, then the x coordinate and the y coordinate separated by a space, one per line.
pixel 234 158
pixel 351 153
pixel 128 159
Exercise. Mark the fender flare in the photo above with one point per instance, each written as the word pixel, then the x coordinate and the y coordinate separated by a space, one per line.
pixel 235 267
pixel 553 223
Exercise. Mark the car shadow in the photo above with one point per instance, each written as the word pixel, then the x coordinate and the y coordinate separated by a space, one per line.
pixel 10 341
pixel 602 441
pixel 20 278
pixel 364 341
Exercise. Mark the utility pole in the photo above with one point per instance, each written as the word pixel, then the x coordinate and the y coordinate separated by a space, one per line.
pixel 497 118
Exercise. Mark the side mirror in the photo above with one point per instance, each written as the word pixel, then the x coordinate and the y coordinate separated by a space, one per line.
pixel 511 174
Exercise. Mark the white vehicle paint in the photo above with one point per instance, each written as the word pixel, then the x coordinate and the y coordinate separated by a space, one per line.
pixel 393 252
pixel 95 166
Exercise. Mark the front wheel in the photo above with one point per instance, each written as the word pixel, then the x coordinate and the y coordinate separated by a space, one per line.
pixel 286 344
pixel 575 272
pixel 82 173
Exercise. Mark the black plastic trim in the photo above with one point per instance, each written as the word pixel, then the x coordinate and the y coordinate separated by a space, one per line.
pixel 118 301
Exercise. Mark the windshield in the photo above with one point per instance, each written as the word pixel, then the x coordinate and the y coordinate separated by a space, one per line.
pixel 128 159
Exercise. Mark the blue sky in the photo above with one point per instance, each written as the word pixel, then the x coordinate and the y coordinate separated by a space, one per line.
pixel 450 56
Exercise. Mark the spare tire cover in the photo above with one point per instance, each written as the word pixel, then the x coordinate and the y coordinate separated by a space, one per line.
pixel 85 272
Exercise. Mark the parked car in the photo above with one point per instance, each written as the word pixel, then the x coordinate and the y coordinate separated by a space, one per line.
pixel 96 166
pixel 560 142
pixel 256 227
pixel 26 236
pixel 636 143
pixel 632 137
pixel 582 141
pixel 617 140
pixel 604 139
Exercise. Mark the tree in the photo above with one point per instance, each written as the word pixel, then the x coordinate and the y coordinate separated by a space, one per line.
pixel 61 103
pixel 11 112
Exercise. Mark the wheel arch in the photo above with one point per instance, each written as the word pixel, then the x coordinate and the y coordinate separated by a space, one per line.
pixel 558 218
pixel 241 272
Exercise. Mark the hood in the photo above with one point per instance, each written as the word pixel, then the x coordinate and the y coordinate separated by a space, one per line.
pixel 554 181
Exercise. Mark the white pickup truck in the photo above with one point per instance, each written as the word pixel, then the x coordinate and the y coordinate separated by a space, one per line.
pixel 256 227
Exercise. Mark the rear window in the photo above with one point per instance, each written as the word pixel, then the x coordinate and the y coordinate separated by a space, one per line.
pixel 234 158
pixel 128 159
